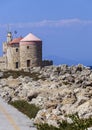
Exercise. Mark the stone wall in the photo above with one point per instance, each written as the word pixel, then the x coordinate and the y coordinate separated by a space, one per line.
pixel 2 63
pixel 4 48
pixel 13 56
pixel 47 63
pixel 32 52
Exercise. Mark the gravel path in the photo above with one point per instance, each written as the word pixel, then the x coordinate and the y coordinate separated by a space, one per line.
pixel 12 119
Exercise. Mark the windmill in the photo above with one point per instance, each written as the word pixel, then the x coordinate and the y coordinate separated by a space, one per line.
pixel 10 34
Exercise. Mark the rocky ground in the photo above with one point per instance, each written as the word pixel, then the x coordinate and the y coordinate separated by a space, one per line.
pixel 59 91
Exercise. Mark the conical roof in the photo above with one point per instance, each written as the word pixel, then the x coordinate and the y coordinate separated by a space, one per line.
pixel 30 37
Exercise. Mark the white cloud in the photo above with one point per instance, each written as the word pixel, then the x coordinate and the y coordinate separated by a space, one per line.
pixel 50 23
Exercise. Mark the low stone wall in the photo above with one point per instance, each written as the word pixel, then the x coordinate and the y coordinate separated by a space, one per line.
pixel 47 62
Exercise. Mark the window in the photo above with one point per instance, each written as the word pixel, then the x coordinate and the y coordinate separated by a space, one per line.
pixel 27 47
pixel 28 63
pixel 4 52
pixel 16 49
pixel 17 65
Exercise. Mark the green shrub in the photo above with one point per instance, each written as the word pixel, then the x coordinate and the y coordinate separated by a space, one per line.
pixel 29 109
pixel 46 127
pixel 16 74
pixel 78 124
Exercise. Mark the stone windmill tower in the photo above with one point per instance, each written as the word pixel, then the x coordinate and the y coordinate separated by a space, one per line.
pixel 30 51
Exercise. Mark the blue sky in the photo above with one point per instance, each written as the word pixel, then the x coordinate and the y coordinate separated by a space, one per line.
pixel 65 27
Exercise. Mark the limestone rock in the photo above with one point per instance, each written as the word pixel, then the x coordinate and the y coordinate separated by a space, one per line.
pixel 64 90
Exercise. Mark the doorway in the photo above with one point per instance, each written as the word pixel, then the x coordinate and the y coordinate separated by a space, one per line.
pixel 28 63
pixel 17 65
